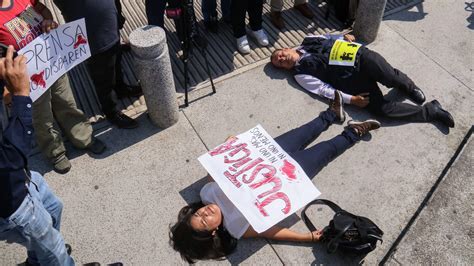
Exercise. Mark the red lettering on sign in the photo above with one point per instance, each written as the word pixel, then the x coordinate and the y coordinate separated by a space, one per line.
pixel 275 180
pixel 224 147
pixel 278 195
pixel 233 177
pixel 257 170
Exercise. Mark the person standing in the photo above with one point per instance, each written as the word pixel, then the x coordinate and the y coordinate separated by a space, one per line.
pixel 30 214
pixel 209 13
pixel 254 9
pixel 277 7
pixel 20 23
pixel 102 22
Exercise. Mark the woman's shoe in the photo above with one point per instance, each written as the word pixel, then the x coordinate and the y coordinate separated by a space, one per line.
pixel 260 37
pixel 243 45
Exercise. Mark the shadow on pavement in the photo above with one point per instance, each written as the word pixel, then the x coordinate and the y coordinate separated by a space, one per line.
pixel 408 14
pixel 114 138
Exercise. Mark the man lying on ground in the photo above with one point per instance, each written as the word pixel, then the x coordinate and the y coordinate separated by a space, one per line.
pixel 323 64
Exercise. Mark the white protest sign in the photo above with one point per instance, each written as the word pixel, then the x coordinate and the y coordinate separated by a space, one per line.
pixel 259 178
pixel 51 55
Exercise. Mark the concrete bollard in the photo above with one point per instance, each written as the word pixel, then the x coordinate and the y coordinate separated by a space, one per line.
pixel 153 66
pixel 368 18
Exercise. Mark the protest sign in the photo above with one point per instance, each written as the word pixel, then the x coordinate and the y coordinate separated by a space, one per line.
pixel 53 54
pixel 259 178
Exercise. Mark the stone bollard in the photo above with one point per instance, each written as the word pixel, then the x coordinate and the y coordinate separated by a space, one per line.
pixel 153 66
pixel 368 18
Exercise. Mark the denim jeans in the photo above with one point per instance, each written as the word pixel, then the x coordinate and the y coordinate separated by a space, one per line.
pixel 209 9
pixel 312 160
pixel 35 225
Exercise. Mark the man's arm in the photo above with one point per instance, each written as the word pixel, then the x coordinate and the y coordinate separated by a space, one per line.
pixel 17 136
pixel 316 86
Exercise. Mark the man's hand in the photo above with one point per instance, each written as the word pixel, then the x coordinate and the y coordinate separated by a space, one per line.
pixel 349 37
pixel 361 100
pixel 13 72
pixel 48 24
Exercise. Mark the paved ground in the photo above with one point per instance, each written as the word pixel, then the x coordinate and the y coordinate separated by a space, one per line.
pixel 118 207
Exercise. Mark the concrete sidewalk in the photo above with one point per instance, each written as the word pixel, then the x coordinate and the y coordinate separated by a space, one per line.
pixel 118 207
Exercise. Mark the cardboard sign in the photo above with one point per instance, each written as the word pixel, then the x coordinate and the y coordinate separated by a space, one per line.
pixel 51 55
pixel 343 53
pixel 259 178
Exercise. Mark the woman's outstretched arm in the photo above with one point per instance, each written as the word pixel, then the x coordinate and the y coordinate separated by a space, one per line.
pixel 284 234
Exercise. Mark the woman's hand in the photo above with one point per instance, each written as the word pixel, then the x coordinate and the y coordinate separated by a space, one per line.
pixel 316 235
pixel 349 37
pixel 361 100
pixel 48 24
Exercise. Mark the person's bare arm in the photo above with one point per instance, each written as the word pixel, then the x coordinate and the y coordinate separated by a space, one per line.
pixel 48 22
pixel 284 234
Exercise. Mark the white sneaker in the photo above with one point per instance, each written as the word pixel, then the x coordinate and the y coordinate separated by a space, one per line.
pixel 243 45
pixel 260 37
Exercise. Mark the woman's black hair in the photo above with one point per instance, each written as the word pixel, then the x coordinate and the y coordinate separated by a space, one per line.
pixel 199 245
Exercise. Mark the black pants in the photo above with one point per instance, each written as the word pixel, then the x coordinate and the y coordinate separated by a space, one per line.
pixel 374 68
pixel 106 72
pixel 238 10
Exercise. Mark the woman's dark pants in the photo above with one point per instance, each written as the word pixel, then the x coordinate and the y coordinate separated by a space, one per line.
pixel 313 159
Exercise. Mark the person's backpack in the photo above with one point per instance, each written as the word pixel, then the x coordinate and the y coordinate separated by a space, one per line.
pixel 345 10
pixel 346 231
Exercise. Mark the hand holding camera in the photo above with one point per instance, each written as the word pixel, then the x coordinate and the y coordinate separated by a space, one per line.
pixel 13 73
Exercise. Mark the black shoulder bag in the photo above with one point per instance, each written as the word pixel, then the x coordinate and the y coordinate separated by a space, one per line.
pixel 347 232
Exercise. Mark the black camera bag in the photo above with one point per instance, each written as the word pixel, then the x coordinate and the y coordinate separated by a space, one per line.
pixel 347 232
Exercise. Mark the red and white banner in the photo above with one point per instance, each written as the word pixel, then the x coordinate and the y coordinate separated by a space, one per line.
pixel 259 177
pixel 53 54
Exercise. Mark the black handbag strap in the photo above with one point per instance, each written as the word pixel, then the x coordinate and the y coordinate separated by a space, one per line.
pixel 328 203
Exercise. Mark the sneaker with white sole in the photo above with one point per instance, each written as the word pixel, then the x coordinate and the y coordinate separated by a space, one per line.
pixel 260 37
pixel 243 45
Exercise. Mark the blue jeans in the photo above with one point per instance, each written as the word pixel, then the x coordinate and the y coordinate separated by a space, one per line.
pixel 209 9
pixel 35 225
pixel 312 160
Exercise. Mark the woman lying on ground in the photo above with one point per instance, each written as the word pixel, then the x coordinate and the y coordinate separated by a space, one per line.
pixel 210 229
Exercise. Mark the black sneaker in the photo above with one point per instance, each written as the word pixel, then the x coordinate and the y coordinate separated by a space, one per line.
pixel 337 106
pixel 122 121
pixel 96 146
pixel 362 128
pixel 442 115
pixel 68 249
pixel 125 90
pixel 211 24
